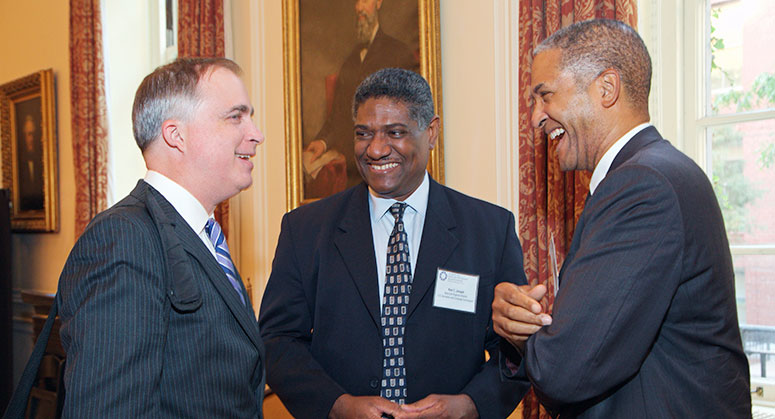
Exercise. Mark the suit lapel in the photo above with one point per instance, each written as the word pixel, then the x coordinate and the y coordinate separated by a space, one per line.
pixel 575 241
pixel 436 246
pixel 192 244
pixel 354 241
pixel 645 137
pixel 379 38
pixel 642 139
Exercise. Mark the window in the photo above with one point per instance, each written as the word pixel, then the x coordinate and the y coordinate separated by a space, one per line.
pixel 168 16
pixel 721 72
pixel 737 125
pixel 153 25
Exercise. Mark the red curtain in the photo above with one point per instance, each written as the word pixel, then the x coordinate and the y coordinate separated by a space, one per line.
pixel 200 34
pixel 87 98
pixel 200 28
pixel 550 201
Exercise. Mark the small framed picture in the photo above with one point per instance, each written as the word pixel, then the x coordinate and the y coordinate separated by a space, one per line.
pixel 29 151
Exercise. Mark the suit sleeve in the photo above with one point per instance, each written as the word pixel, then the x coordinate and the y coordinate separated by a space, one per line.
pixel 492 395
pixel 114 319
pixel 615 292
pixel 285 321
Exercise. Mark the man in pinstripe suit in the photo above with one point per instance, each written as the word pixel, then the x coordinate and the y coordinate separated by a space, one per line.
pixel 151 323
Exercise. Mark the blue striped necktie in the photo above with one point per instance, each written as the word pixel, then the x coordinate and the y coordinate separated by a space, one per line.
pixel 222 255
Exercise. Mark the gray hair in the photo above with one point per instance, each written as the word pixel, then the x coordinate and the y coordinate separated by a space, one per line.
pixel 593 46
pixel 170 92
pixel 402 86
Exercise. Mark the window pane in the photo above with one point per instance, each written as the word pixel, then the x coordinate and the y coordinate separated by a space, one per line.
pixel 742 66
pixel 743 174
pixel 755 288
pixel 169 22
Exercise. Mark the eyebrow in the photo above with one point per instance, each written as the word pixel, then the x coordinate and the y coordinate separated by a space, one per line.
pixel 537 88
pixel 386 126
pixel 242 109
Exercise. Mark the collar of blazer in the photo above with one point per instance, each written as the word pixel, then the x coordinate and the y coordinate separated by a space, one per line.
pixel 178 242
pixel 645 137
pixel 354 241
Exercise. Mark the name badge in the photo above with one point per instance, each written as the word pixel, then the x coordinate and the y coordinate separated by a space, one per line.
pixel 456 291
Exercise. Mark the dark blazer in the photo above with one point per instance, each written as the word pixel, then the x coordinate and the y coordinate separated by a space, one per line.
pixel 384 51
pixel 150 323
pixel 320 312
pixel 645 323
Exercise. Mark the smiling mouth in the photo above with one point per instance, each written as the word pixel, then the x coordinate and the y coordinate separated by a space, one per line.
pixel 556 133
pixel 243 156
pixel 384 166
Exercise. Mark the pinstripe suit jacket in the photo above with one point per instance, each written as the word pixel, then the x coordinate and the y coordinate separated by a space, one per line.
pixel 150 323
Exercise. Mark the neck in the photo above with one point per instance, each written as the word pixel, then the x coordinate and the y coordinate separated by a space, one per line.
pixel 185 182
pixel 620 126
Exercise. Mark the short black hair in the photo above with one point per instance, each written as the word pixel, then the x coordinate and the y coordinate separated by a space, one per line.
pixel 402 86
pixel 590 47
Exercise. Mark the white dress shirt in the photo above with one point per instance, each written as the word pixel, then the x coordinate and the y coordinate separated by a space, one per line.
pixel 601 170
pixel 184 203
pixel 382 222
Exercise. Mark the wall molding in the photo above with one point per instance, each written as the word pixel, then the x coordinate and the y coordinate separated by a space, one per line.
pixel 505 37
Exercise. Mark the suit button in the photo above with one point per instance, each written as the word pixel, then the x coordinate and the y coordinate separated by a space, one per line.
pixel 374 383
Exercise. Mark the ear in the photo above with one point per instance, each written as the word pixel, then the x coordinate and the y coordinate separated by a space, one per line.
pixel 608 84
pixel 433 131
pixel 173 135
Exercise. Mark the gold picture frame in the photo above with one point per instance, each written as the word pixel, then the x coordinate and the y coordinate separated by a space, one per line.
pixel 307 19
pixel 29 151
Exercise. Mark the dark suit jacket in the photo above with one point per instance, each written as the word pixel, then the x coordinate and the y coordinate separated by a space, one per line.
pixel 645 323
pixel 385 51
pixel 30 184
pixel 150 323
pixel 320 312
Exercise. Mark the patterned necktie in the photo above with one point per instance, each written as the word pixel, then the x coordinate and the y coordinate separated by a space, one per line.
pixel 398 286
pixel 222 255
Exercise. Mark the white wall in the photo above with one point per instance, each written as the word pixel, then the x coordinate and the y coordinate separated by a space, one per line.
pixel 127 60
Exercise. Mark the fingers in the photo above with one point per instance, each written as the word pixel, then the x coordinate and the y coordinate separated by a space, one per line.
pixel 386 408
pixel 357 407
pixel 535 292
pixel 521 303
pixel 441 406
pixel 419 405
pixel 516 312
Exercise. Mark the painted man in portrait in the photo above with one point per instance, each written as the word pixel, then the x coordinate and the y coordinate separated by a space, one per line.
pixel 29 166
pixel 328 161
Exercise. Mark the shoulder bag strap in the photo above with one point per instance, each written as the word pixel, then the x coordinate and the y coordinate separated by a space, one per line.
pixel 18 405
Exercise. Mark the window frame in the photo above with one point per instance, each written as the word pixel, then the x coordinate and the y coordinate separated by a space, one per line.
pixel 675 34
pixel 659 23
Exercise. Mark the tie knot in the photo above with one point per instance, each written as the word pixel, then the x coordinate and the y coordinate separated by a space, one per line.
pixel 213 229
pixel 397 210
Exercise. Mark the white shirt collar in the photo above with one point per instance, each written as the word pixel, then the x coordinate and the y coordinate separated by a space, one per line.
pixel 365 50
pixel 418 201
pixel 184 203
pixel 601 170
pixel 374 33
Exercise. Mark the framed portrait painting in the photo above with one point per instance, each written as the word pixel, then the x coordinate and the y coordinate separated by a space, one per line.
pixel 329 48
pixel 29 144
